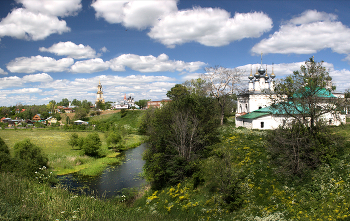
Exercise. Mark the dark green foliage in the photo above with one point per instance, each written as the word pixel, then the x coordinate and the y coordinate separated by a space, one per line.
pixel 221 176
pixel 30 157
pixel 178 133
pixel 74 140
pixel 80 113
pixel 113 139
pixel 5 157
pixel 296 149
pixel 123 113
pixel 92 145
pixel 177 92
pixel 142 103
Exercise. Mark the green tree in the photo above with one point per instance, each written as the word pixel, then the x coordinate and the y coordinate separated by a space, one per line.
pixel 304 142
pixel 30 157
pixel 177 92
pixel 178 133
pixel 74 140
pixel 142 103
pixel 306 95
pixel 76 102
pixel 64 102
pixel 80 114
pixel 92 145
pixel 100 105
pixel 113 139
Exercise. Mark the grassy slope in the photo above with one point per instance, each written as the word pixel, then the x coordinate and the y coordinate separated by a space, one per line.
pixel 267 196
pixel 62 158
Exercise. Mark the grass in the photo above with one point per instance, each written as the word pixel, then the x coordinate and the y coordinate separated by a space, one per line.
pixel 62 158
pixel 266 195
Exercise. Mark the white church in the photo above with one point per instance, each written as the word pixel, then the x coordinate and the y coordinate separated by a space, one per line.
pixel 254 110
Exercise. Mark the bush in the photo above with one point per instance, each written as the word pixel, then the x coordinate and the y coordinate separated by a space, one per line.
pixel 30 157
pixel 92 145
pixel 113 139
pixel 5 158
pixel 73 140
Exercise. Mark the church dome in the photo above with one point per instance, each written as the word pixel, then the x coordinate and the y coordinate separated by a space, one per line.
pixel 261 70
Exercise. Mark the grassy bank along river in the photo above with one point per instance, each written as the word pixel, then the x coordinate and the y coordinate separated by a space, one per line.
pixel 62 158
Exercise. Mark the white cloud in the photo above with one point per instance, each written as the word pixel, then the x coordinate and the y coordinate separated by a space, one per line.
pixel 23 91
pixel 310 32
pixel 43 77
pixel 208 26
pixel 55 8
pixel 311 16
pixel 12 81
pixel 2 72
pixel 71 50
pixel 90 66
pixel 39 63
pixel 133 14
pixel 23 24
pixel 104 49
pixel 152 64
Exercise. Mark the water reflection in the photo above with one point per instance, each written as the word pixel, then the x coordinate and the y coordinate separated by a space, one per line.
pixel 113 179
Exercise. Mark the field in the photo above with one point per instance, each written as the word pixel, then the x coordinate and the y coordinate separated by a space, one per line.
pixel 62 158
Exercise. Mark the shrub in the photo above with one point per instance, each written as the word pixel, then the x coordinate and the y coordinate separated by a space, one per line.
pixel 30 157
pixel 92 145
pixel 73 140
pixel 113 139
pixel 5 158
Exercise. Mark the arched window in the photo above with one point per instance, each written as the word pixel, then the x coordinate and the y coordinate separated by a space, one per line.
pixel 261 124
pixel 246 108
pixel 240 108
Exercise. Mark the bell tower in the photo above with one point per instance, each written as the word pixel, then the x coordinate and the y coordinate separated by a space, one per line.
pixel 100 93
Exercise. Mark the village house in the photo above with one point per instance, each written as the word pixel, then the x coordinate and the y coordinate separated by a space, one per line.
pixel 157 104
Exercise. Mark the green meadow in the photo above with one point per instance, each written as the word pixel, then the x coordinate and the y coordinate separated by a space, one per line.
pixel 63 159
pixel 261 193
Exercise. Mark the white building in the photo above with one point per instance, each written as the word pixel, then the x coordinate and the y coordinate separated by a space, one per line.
pixel 254 110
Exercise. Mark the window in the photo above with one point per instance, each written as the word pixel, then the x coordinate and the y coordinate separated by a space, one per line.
pixel 260 107
pixel 240 108
pixel 261 124
pixel 246 108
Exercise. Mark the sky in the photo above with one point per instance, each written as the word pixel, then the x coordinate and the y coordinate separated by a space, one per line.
pixel 55 49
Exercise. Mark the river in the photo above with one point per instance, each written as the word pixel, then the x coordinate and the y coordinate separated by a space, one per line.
pixel 111 182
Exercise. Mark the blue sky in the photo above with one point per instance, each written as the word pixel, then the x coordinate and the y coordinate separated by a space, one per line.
pixel 50 50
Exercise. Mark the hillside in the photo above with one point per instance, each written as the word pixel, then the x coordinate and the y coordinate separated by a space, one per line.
pixel 238 166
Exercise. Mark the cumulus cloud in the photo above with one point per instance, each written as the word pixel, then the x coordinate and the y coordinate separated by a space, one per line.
pixel 23 91
pixel 70 50
pixel 2 72
pixel 152 64
pixel 208 26
pixel 38 19
pixel 39 63
pixel 55 8
pixel 133 14
pixel 308 33
pixel 11 81
pixel 90 66
pixel 15 81
pixel 23 24
pixel 43 77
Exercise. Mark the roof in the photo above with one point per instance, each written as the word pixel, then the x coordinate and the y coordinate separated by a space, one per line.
pixel 253 115
pixel 320 92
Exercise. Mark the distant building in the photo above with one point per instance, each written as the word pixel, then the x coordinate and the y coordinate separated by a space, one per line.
pixel 126 103
pixel 100 94
pixel 157 104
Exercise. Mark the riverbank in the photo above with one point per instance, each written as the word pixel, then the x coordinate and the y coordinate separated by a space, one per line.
pixel 63 159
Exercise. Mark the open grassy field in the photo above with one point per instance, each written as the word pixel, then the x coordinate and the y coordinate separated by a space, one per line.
pixel 62 158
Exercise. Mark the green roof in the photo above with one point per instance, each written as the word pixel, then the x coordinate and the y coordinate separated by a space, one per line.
pixel 253 115
pixel 319 92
